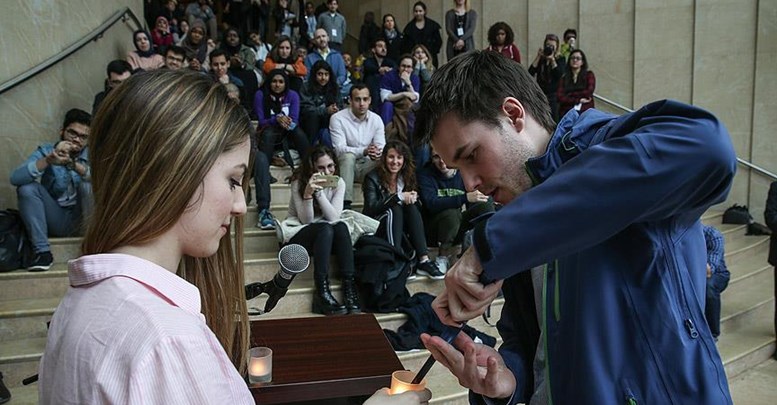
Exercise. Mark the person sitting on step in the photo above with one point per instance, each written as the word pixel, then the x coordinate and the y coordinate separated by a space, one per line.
pixel 317 203
pixel 53 187
pixel 391 197
pixel 320 100
pixel 717 277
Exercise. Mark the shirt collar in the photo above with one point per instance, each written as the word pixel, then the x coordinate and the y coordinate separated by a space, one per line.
pixel 357 119
pixel 95 268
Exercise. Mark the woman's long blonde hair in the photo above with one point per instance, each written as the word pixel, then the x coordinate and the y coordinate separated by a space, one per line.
pixel 148 160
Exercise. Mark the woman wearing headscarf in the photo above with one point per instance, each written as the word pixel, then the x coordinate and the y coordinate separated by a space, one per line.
pixel 144 57
pixel 196 46
pixel 161 35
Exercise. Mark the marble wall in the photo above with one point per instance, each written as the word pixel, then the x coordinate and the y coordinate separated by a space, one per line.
pixel 32 31
pixel 717 54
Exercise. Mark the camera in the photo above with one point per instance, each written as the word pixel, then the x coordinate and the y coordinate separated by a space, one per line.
pixel 548 50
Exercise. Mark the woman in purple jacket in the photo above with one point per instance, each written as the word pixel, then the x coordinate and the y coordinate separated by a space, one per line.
pixel 278 110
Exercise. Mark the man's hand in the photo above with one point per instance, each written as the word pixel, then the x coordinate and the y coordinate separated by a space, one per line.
pixel 405 77
pixel 709 271
pixel 195 64
pixel 331 109
pixel 373 152
pixel 476 196
pixel 464 297
pixel 382 397
pixel 477 366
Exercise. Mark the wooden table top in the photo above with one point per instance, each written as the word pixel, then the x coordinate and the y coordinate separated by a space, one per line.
pixel 323 357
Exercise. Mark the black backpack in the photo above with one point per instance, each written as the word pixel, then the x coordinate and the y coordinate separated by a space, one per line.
pixel 737 214
pixel 381 274
pixel 15 249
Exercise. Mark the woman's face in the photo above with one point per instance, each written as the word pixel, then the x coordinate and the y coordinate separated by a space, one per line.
pixel 277 84
pixel 325 165
pixel 347 60
pixel 419 54
pixel 388 23
pixel 284 49
pixel 394 161
pixel 141 40
pixel 419 13
pixel 196 34
pixel 211 209
pixel 183 26
pixel 322 77
pixel 232 38
pixel 501 36
pixel 576 60
pixel 161 24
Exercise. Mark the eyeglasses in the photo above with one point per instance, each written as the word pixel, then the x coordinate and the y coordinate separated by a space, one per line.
pixel 75 134
pixel 174 59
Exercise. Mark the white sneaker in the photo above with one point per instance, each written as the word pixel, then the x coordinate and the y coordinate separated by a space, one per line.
pixel 442 263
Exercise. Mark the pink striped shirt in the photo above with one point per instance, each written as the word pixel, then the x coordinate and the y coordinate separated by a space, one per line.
pixel 130 332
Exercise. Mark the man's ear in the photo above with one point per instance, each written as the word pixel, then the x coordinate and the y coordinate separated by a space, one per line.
pixel 515 112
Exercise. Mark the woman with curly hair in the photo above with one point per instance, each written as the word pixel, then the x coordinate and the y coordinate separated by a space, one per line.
pixel 502 39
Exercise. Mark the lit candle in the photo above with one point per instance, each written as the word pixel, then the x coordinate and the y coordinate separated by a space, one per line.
pixel 401 382
pixel 259 365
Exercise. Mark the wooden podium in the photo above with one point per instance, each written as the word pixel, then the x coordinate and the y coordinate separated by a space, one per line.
pixel 324 360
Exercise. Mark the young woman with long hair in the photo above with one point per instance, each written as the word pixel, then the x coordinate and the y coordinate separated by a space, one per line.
pixel 576 87
pixel 422 30
pixel 422 65
pixel 320 99
pixel 318 206
pixel 157 301
pixel 284 57
pixel 391 197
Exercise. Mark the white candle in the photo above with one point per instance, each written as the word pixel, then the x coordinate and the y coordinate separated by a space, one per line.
pixel 260 365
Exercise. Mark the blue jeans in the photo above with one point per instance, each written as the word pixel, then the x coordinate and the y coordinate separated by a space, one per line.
pixel 715 285
pixel 43 217
pixel 262 180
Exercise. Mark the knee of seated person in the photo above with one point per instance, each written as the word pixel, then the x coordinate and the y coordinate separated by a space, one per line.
pixel 345 158
pixel 340 229
pixel 28 190
pixel 326 231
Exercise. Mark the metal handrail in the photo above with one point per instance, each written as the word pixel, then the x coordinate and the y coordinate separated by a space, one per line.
pixel 122 15
pixel 743 162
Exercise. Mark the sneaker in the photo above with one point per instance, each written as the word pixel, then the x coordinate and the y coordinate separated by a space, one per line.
pixel 42 262
pixel 5 395
pixel 429 269
pixel 412 275
pixel 442 263
pixel 266 220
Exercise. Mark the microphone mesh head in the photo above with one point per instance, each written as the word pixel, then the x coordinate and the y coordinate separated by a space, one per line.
pixel 293 258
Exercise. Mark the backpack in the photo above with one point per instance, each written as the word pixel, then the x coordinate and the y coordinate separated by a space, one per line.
pixel 15 249
pixel 737 214
pixel 381 274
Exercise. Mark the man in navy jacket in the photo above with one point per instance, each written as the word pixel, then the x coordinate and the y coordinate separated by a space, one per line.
pixel 610 207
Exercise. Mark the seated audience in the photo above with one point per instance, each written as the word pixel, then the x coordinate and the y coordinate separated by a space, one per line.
pixel 196 46
pixel 315 210
pixel 144 57
pixel 284 58
pixel 548 67
pixel 391 197
pixel 240 56
pixel 260 48
pixel 174 17
pixel 175 57
pixel 443 195
pixel 422 66
pixel 53 187
pixel 358 138
pixel 277 108
pixel 200 10
pixel 501 39
pixel 422 30
pixel 576 87
pixel 219 68
pixel 322 52
pixel 717 277
pixel 161 35
pixel 320 99
pixel 118 71
pixel 375 67
pixel 183 29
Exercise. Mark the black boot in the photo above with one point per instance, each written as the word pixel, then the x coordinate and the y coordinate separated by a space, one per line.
pixel 324 302
pixel 351 297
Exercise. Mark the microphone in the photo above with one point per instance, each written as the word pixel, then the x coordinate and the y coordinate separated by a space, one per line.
pixel 294 259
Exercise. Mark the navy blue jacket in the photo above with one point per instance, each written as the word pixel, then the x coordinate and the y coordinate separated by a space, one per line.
pixel 615 213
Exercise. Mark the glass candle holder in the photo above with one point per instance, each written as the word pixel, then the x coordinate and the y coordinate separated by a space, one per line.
pixel 401 381
pixel 259 365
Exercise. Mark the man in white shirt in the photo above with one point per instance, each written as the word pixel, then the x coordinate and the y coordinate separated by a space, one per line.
pixel 358 138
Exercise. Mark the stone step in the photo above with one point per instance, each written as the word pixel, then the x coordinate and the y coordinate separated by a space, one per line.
pixel 756 386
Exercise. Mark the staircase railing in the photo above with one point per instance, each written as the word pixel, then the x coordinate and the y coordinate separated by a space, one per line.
pixel 743 162
pixel 123 15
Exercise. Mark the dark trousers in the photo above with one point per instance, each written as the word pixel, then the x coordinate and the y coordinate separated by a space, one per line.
pixel 273 135
pixel 715 285
pixel 402 220
pixel 262 180
pixel 442 228
pixel 312 123
pixel 321 239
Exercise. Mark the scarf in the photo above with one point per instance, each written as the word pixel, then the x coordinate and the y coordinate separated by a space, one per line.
pixel 143 54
